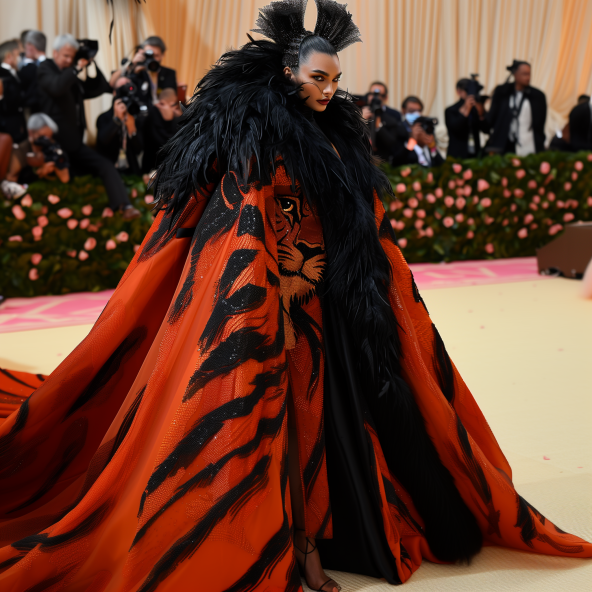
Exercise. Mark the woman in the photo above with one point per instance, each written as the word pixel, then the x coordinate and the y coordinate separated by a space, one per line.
pixel 268 333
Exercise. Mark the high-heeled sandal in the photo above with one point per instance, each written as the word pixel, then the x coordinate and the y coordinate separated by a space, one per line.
pixel 302 568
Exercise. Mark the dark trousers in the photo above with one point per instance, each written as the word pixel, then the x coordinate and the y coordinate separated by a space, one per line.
pixel 85 161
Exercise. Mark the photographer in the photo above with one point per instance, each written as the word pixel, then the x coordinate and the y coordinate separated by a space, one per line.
pixel 411 109
pixel 12 119
pixel 35 44
pixel 380 90
pixel 517 115
pixel 146 71
pixel 161 125
pixel 384 129
pixel 580 125
pixel 119 130
pixel 39 157
pixel 465 120
pixel 62 96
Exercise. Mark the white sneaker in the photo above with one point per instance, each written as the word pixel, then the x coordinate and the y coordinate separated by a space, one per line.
pixel 12 190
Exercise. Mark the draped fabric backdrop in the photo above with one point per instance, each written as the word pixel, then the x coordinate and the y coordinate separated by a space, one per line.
pixel 416 46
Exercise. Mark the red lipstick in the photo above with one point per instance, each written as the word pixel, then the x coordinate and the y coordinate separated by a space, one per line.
pixel 324 102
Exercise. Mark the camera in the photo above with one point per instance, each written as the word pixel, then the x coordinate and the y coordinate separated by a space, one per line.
pixel 128 93
pixel 87 51
pixel 474 88
pixel 375 102
pixel 150 63
pixel 428 124
pixel 52 152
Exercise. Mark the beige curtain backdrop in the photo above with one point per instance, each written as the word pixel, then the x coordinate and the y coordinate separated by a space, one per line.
pixel 416 46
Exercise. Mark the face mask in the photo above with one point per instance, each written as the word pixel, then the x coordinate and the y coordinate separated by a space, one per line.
pixel 411 117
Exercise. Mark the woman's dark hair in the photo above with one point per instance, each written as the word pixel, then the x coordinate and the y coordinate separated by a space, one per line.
pixel 314 43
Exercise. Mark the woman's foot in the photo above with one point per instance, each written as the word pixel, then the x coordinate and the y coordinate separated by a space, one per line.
pixel 308 557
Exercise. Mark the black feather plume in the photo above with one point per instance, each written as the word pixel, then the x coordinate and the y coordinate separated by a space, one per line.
pixel 334 23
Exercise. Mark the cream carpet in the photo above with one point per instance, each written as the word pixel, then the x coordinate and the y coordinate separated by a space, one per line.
pixel 525 350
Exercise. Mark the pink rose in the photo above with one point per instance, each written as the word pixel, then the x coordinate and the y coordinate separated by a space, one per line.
pixel 134 192
pixel 451 184
pixel 87 210
pixel 15 239
pixel 555 229
pixel 430 178
pixel 437 215
pixel 460 182
pixel 420 213
pixel 533 207
pixel 64 212
pixel 459 191
pixel 431 198
pixel 405 172
pixel 507 193
pixel 393 206
pixel 459 217
pixel 429 231
pixel 393 224
pixel 400 188
pixel 560 204
pixel 36 258
pixel 551 196
pixel 513 207
pixel 449 201
pixel 589 158
pixel 53 199
pixel 44 209
pixel 413 203
pixel 589 201
pixel 567 186
pixel 536 199
pixel 83 255
pixel 71 253
pixel 568 217
pixel 485 202
pixel 418 224
pixel 122 237
pixel 523 233
pixel 518 193
pixel 467 191
pixel 541 191
pixel 408 212
pixel 93 228
pixel 505 222
pixel 402 243
pixel 504 181
pixel 516 162
pixel 482 185
pixel 72 224
pixel 528 218
pixel 532 184
pixel 84 223
pixel 461 202
pixel 578 165
pixel 520 174
pixel 468 174
pixel 448 221
pixel 37 232
pixel 475 200
pixel 471 221
pixel 489 248
pixel 137 247
pixel 42 221
pixel 416 186
pixel 439 192
pixel 110 245
pixel 545 168
pixel 18 212
pixel 457 168
pixel 27 201
pixel 107 213
pixel 574 176
pixel 470 234
pixel 90 243
pixel 534 226
pixel 489 220
pixel 400 225
pixel 33 274
pixel 545 205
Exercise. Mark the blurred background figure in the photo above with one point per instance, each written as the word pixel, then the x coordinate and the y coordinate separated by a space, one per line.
pixel 580 125
pixel 12 118
pixel 465 120
pixel 380 91
pixel 35 44
pixel 411 109
pixel 517 115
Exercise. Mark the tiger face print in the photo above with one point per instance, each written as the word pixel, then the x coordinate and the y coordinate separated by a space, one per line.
pixel 301 254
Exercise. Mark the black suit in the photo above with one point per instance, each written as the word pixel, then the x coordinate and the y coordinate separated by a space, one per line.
pixel 580 127
pixel 167 78
pixel 28 76
pixel 12 120
pixel 62 96
pixel 459 127
pixel 499 117
pixel 157 132
pixel 393 114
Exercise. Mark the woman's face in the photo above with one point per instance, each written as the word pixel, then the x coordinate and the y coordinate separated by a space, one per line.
pixel 319 77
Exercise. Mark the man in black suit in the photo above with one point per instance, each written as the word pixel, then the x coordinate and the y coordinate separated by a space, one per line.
pixel 62 96
pixel 580 126
pixel 380 89
pixel 35 44
pixel 464 121
pixel 12 120
pixel 517 115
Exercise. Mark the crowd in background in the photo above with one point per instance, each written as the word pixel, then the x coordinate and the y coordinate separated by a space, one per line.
pixel 42 117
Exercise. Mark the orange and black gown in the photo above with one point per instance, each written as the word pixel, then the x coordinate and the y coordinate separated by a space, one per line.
pixel 155 456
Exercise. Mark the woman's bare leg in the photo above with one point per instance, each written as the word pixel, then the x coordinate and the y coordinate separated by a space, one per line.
pixel 313 570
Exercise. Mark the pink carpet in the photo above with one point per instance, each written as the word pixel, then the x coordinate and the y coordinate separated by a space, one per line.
pixel 44 312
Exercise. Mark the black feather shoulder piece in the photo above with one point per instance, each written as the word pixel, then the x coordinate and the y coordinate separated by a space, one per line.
pixel 245 115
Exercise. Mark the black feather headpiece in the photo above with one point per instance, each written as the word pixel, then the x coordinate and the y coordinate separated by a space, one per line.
pixel 283 23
